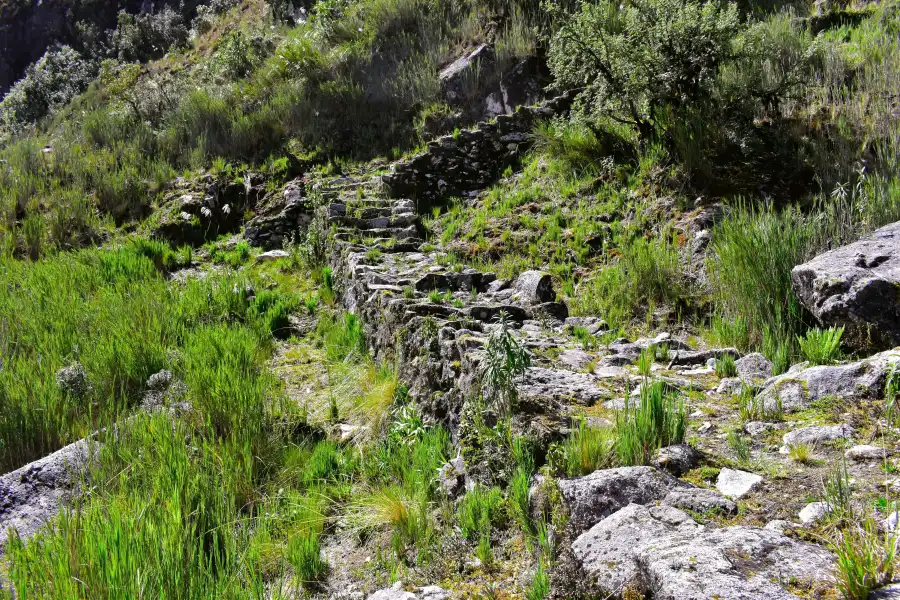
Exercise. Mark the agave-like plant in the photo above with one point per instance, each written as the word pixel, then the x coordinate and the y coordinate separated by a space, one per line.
pixel 505 359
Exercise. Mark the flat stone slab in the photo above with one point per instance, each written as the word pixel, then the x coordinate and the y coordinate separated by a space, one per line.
pixel 734 483
pixel 661 552
pixel 802 385
pixel 818 434
pixel 540 383
pixel 34 494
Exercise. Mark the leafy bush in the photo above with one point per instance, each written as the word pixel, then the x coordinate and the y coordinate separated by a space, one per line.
pixel 57 77
pixel 821 347
pixel 139 38
pixel 639 61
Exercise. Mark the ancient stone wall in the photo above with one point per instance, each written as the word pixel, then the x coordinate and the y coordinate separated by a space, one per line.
pixel 471 159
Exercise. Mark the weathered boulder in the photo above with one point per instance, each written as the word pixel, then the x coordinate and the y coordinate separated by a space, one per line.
pixel 814 512
pixel 459 77
pixel 280 215
pixel 593 497
pixel 818 434
pixel 73 381
pixel 534 287
pixel 540 385
pixel 453 478
pixel 676 459
pixel 661 552
pixel 700 500
pixel 867 452
pixel 753 367
pixel 856 287
pixel 803 385
pixel 33 494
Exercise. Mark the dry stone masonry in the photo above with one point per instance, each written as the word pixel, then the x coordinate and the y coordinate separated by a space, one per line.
pixel 471 159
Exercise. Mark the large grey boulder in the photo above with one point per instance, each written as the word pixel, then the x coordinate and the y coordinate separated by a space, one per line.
pixel 534 287
pixel 459 77
pixel 753 367
pixel 856 286
pixel 33 494
pixel 591 498
pixel 803 385
pixel 661 552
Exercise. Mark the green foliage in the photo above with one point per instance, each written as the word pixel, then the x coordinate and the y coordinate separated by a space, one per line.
pixel 138 38
pixel 821 347
pixel 636 62
pixel 645 362
pixel 658 420
pixel 725 366
pixel 114 313
pixel 837 489
pixel 865 559
pixel 647 272
pixel 48 84
pixel 342 336
pixel 540 584
pixel 739 446
pixel 505 360
pixel 588 449
pixel 479 510
pixel 753 252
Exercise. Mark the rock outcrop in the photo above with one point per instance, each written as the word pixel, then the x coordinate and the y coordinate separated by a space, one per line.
pixel 802 385
pixel 857 287
pixel 33 494
pixel 590 499
pixel 661 552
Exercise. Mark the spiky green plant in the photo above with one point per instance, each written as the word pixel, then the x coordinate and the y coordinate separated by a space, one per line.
pixel 821 346
pixel 658 420
pixel 505 360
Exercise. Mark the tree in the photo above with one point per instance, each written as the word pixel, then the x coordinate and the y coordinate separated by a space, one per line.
pixel 639 62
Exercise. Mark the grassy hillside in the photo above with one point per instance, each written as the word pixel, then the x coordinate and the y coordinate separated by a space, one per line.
pixel 712 147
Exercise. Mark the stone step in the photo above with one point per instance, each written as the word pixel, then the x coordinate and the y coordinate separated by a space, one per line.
pixel 392 222
pixel 400 233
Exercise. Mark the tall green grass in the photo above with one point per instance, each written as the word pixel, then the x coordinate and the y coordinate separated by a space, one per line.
pixel 658 420
pixel 114 313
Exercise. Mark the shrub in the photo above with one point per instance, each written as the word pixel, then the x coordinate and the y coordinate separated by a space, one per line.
pixel 865 559
pixel 753 252
pixel 821 347
pixel 801 453
pixel 658 420
pixel 505 360
pixel 139 38
pixel 304 551
pixel 49 83
pixel 588 449
pixel 739 446
pixel 540 584
pixel 638 61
